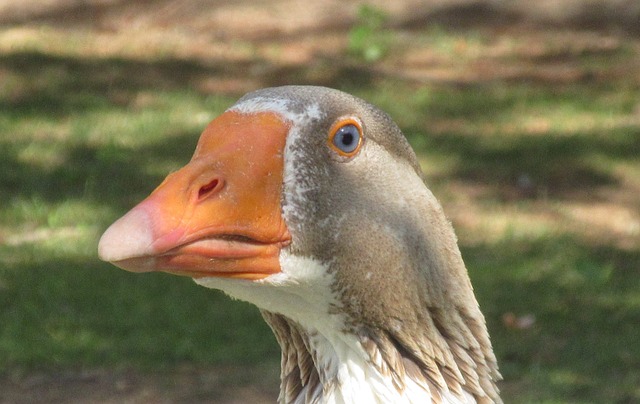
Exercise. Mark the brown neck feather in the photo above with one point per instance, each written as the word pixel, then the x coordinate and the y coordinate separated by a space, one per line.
pixel 299 376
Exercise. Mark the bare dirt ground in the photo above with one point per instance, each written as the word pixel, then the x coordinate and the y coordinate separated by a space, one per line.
pixel 229 385
pixel 263 43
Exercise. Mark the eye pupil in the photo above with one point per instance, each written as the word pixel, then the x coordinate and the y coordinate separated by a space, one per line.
pixel 347 138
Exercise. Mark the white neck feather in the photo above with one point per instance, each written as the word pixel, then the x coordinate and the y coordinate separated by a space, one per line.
pixel 352 378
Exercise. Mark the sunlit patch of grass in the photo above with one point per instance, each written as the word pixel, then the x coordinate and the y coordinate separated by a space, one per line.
pixel 58 40
pixel 38 212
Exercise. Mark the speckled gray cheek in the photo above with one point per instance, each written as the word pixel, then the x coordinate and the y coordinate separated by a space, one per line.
pixel 305 177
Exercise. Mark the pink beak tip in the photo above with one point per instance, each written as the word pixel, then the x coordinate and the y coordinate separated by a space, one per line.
pixel 128 237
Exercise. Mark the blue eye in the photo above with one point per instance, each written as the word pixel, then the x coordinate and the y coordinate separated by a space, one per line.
pixel 347 139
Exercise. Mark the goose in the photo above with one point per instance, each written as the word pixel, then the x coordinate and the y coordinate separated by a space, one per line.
pixel 310 204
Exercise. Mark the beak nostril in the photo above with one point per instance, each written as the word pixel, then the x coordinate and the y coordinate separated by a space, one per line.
pixel 208 188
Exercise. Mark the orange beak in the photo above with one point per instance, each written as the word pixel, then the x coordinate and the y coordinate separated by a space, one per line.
pixel 220 215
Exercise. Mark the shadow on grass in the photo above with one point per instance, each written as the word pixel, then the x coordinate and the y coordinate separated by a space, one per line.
pixel 468 15
pixel 561 167
pixel 108 174
pixel 566 160
pixel 60 311
pixel 582 298
pixel 58 85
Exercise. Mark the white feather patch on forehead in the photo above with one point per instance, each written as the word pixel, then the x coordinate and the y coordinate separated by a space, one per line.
pixel 281 106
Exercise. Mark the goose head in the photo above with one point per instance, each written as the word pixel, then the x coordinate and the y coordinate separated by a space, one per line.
pixel 310 203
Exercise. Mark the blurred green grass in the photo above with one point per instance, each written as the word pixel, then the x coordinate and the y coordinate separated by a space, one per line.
pixel 82 139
